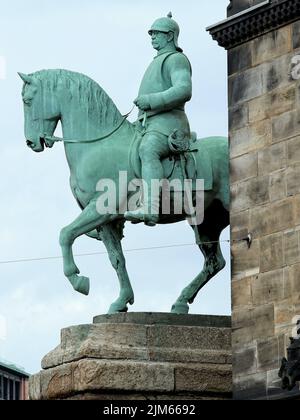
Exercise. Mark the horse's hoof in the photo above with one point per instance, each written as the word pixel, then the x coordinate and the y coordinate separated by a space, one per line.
pixel 80 284
pixel 180 308
pixel 116 309
pixel 119 307
pixel 150 224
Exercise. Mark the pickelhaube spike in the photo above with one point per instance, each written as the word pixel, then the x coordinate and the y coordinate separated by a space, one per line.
pixel 170 15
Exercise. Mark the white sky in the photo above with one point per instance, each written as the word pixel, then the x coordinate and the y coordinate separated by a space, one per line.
pixel 108 41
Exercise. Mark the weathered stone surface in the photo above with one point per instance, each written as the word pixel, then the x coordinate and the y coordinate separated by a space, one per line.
pixel 284 315
pixel 238 116
pixel 239 59
pixel 250 193
pixel 250 324
pixel 242 293
pixel 271 159
pixel 250 139
pixel 277 188
pixel 138 342
pixel 244 362
pixel 182 355
pixel 292 180
pixel 272 104
pixel 270 353
pixel 112 334
pixel 288 282
pixel 272 218
pixel 35 386
pixel 277 73
pixel 268 288
pixel 189 337
pixel 106 341
pixel 293 151
pixel 261 386
pixel 164 318
pixel 90 375
pixel 296 35
pixel 250 387
pixel 296 203
pixel 292 283
pixel 138 359
pixel 291 247
pixel 243 167
pixel 239 223
pixel 259 108
pixel 266 277
pixel 263 318
pixel 56 382
pixel 272 45
pixel 217 379
pixel 242 328
pixel 245 261
pixel 247 85
pixel 282 100
pixel 286 125
pixel 271 252
pixel 147 396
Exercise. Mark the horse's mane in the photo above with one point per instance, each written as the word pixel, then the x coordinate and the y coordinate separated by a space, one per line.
pixel 95 100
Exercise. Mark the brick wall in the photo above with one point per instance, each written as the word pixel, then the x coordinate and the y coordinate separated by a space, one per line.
pixel 264 109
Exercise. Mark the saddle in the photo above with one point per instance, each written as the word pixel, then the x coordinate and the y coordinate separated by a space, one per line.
pixel 178 165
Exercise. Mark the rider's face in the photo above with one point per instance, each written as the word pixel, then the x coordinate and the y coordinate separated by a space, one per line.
pixel 160 39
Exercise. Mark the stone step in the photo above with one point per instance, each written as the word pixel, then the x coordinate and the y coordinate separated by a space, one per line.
pixel 141 342
pixel 101 376
pixel 139 355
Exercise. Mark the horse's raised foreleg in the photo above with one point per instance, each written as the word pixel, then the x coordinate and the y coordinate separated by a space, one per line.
pixel 214 262
pixel 87 221
pixel 111 237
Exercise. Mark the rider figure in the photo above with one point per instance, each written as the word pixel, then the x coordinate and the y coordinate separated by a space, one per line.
pixel 164 90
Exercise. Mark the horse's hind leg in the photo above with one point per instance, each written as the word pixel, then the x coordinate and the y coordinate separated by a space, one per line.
pixel 111 236
pixel 214 262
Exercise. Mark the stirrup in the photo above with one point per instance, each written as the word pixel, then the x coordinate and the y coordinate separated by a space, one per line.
pixel 138 216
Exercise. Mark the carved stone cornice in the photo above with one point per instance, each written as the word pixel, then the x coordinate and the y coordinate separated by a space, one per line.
pixel 255 21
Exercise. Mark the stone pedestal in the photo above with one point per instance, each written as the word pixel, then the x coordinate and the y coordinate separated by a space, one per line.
pixel 139 356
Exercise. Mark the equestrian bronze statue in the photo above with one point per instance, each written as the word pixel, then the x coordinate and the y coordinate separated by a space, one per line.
pixel 103 147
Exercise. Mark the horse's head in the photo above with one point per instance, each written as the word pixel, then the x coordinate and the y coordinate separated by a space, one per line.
pixel 41 111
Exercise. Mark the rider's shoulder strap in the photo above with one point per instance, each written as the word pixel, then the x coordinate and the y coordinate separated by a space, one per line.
pixel 173 53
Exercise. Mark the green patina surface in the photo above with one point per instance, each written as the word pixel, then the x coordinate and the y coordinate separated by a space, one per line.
pixel 98 140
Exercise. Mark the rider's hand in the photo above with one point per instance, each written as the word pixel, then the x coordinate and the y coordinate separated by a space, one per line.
pixel 142 103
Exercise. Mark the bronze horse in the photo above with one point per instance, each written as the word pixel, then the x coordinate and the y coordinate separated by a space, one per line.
pixel 86 112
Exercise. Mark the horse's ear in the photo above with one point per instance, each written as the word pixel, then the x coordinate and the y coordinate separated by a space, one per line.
pixel 25 78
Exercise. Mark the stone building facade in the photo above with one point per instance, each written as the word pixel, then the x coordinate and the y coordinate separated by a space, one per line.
pixel 263 43
pixel 13 382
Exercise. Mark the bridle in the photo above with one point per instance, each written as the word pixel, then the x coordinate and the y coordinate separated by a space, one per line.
pixel 44 137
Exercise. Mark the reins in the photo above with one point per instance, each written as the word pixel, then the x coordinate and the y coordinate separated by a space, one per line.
pixel 72 141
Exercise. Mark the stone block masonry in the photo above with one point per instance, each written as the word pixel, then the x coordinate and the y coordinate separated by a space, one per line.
pixel 264 125
pixel 140 356
pixel 265 188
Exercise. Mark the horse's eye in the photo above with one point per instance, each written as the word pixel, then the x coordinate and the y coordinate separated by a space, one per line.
pixel 27 102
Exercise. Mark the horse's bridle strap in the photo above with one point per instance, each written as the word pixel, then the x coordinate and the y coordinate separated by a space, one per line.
pixel 73 141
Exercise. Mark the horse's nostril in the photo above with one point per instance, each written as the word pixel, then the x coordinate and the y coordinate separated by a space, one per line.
pixel 29 143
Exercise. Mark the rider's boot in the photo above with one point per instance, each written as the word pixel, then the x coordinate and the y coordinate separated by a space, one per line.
pixel 148 212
